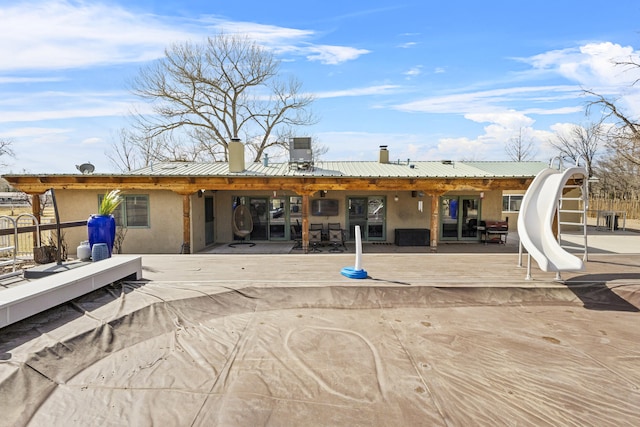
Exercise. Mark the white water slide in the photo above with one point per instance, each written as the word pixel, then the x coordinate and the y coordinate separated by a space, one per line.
pixel 539 206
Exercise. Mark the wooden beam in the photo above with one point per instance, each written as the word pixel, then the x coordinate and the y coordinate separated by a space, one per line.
pixel 184 184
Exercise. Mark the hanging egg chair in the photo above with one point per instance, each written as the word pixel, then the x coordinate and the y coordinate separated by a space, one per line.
pixel 242 225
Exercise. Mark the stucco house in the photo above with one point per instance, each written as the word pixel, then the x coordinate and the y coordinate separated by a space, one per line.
pixel 184 207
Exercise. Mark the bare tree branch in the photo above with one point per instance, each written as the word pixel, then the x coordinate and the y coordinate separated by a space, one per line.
pixel 624 137
pixel 5 149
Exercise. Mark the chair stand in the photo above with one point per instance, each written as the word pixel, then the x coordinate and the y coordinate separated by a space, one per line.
pixel 242 242
pixel 335 247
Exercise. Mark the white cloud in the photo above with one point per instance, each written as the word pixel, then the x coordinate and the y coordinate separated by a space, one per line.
pixel 13 80
pixel 270 35
pixel 29 132
pixel 333 55
pixel 59 34
pixel 108 110
pixel 509 119
pixel 591 65
pixel 494 100
pixel 92 141
pixel 363 91
pixel 414 71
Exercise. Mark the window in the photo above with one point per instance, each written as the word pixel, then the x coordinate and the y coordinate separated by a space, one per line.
pixel 511 203
pixel 133 212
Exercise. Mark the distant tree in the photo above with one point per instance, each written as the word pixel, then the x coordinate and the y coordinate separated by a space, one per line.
pixel 624 136
pixel 520 148
pixel 617 177
pixel 580 143
pixel 224 88
pixel 5 149
pixel 124 152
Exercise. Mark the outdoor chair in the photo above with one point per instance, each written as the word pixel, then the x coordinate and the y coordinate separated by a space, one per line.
pixel 296 236
pixel 316 226
pixel 315 239
pixel 335 238
pixel 336 226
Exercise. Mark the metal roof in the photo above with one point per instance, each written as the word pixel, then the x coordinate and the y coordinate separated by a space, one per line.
pixel 355 169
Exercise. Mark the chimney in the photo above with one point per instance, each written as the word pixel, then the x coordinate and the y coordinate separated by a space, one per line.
pixel 384 154
pixel 236 155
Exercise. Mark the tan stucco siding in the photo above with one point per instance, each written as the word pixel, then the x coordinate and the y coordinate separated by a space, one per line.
pixel 164 234
pixel 492 206
pixel 405 213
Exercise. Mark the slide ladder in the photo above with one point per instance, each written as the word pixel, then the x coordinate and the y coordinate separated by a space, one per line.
pixel 546 205
pixel 581 213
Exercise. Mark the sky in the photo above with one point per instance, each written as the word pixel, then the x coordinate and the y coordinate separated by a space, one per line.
pixel 431 80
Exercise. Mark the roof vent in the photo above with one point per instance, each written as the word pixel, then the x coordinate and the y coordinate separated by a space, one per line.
pixel 447 162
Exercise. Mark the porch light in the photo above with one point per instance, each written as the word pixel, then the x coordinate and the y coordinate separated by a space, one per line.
pixel 395 198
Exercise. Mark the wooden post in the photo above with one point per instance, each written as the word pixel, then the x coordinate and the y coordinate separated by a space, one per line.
pixel 435 221
pixel 186 224
pixel 35 211
pixel 305 223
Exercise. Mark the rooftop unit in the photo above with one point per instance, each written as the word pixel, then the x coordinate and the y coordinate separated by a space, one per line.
pixel 300 153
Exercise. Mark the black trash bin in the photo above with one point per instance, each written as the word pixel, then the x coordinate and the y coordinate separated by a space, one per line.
pixel 609 218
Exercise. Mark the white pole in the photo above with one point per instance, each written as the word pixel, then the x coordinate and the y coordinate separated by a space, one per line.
pixel 358 265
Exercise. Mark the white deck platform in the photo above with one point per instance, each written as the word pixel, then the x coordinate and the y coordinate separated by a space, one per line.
pixel 33 297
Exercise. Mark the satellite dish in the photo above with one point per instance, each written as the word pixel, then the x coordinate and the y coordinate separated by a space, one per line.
pixel 86 168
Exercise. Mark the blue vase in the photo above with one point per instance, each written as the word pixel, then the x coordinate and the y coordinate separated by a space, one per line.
pixel 102 229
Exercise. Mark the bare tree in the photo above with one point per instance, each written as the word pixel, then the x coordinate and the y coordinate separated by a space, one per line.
pixel 617 177
pixel 624 137
pixel 5 149
pixel 580 142
pixel 224 88
pixel 124 153
pixel 131 150
pixel 520 148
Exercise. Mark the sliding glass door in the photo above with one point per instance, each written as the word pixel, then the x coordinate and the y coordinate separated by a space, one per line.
pixel 459 217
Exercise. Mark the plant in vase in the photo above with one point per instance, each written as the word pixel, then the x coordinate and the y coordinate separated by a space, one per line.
pixel 101 228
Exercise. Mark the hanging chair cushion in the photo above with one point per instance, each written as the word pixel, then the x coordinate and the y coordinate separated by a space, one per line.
pixel 242 223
